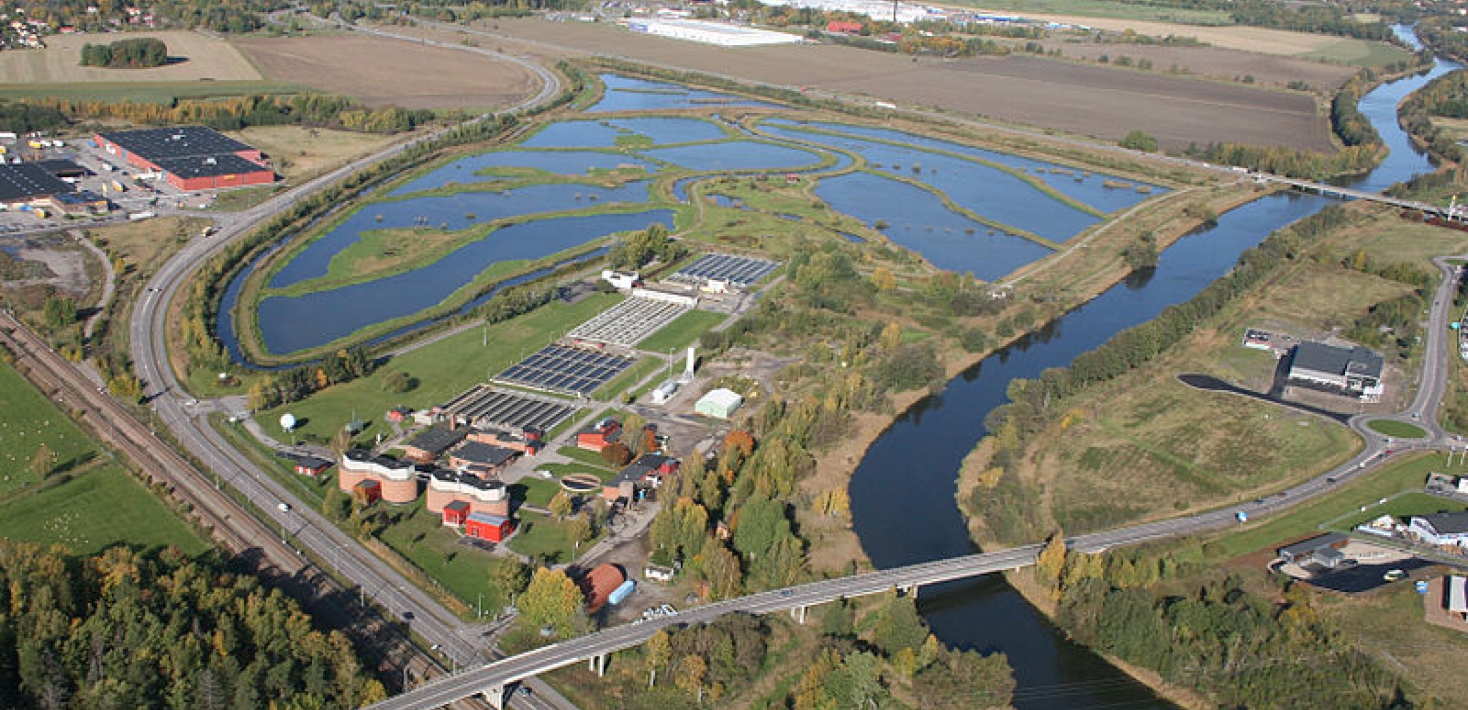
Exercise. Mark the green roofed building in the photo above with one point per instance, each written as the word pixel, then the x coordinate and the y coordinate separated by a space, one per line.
pixel 719 404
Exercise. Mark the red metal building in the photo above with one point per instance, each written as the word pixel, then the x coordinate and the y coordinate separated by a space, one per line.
pixel 484 526
pixel 456 513
pixel 190 157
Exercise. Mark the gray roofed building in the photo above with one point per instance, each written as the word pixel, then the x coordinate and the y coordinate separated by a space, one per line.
pixel 1354 370
pixel 486 454
pixel 1441 528
pixel 430 443
pixel 28 182
pixel 176 142
pixel 1306 550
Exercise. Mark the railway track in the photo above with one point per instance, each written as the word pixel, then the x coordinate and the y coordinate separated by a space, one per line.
pixel 231 525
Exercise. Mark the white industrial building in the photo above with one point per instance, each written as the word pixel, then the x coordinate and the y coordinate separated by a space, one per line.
pixel 715 33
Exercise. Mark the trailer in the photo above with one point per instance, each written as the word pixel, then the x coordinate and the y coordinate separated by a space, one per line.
pixel 140 216
pixel 621 593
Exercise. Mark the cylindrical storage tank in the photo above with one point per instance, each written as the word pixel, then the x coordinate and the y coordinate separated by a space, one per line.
pixel 404 491
pixel 347 478
pixel 437 499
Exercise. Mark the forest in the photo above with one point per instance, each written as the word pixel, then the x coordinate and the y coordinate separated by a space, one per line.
pixel 130 629
pixel 1212 631
pixel 126 54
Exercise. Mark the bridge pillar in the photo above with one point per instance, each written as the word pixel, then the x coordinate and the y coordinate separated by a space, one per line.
pixel 598 664
pixel 910 590
pixel 798 614
pixel 495 694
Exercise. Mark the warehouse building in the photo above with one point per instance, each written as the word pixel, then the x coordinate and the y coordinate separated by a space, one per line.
pixel 715 33
pixel 29 184
pixel 190 157
pixel 719 404
pixel 1354 371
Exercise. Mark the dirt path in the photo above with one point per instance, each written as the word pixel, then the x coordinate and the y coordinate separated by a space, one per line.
pixel 109 282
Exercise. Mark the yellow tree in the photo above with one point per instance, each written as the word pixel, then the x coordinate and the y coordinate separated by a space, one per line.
pixel 552 599
pixel 883 279
pixel 1051 561
pixel 659 651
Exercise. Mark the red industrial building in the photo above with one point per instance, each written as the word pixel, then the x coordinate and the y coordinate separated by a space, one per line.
pixel 494 528
pixel 456 513
pixel 598 585
pixel 190 157
pixel 600 435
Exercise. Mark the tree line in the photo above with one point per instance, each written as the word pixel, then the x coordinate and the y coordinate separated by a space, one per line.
pixel 126 54
pixel 129 629
pixel 1035 404
pixel 317 110
pixel 1445 96
pixel 1210 631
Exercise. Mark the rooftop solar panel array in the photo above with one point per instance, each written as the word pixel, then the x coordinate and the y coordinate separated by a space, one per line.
pixel 628 322
pixel 486 407
pixel 560 368
pixel 740 271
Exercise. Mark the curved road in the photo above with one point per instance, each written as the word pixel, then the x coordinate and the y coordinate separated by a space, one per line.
pixel 148 330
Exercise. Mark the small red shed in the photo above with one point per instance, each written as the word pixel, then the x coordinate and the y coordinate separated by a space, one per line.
pixel 456 513
pixel 367 491
pixel 311 466
pixel 494 528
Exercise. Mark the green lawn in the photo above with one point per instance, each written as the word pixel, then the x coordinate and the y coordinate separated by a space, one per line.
pixel 241 199
pixel 155 92
pixel 682 332
pixel 97 509
pixel 442 370
pixel 29 420
pixel 87 503
pixel 421 537
pixel 1358 52
pixel 565 469
pixel 1337 509
pixel 1391 427
pixel 590 458
pixel 546 537
pixel 535 491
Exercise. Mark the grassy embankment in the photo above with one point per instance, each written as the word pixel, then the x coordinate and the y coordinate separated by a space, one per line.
pixel 82 498
pixel 1146 446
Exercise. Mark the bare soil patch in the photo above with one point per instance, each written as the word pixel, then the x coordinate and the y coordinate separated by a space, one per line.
pixel 1247 39
pixel 301 153
pixel 379 71
pixel 1100 101
pixel 1213 63
pixel 60 62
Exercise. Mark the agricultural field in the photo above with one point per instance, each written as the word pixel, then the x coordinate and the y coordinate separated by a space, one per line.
pixel 301 153
pixel 83 499
pixel 1100 101
pixel 192 57
pixel 1258 40
pixel 1092 10
pixel 380 72
pixel 1210 63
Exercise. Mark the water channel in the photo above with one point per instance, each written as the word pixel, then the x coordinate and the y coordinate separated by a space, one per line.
pixel 902 493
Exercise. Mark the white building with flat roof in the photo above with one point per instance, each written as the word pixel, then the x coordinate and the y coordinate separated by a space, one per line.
pixel 716 33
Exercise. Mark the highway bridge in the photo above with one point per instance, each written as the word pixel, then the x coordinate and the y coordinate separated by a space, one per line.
pixel 1451 212
pixel 492 679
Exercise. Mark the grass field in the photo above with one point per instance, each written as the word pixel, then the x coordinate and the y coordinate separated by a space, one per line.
pixel 1401 430
pixel 421 537
pixel 29 420
pixel 682 332
pixel 1100 8
pixel 543 536
pixel 1359 53
pixel 87 502
pixel 443 369
pixel 160 92
pixel 193 57
pixel 302 153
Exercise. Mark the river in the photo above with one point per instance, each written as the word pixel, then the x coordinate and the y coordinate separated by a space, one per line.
pixel 902 493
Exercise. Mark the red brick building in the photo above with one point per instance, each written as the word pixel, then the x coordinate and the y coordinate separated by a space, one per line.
pixel 600 435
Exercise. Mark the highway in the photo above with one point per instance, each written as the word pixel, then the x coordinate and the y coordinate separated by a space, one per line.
pixel 458 642
pixel 1425 404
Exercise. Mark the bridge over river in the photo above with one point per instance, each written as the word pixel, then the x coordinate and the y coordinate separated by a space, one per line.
pixel 1451 212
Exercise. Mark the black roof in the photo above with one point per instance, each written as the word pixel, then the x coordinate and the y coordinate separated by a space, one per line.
pixel 437 438
pixel 63 168
pixel 304 459
pixel 178 142
pixel 208 165
pixel 476 452
pixel 28 180
pixel 644 465
pixel 1311 545
pixel 369 457
pixel 1448 523
pixel 1325 358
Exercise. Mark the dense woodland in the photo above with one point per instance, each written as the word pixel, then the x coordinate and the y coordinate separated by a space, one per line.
pixel 1207 630
pixel 125 629
pixel 126 54
pixel 893 662
pixel 1445 96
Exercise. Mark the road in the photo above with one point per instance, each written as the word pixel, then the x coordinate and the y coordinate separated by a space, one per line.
pixel 1422 412
pixel 458 642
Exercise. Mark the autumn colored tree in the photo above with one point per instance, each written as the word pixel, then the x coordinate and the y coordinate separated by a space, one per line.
pixel 658 654
pixel 551 600
pixel 883 279
pixel 560 504
pixel 616 455
pixel 1051 561
pixel 740 441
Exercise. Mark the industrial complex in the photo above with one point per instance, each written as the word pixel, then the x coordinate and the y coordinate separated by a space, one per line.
pixel 189 157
